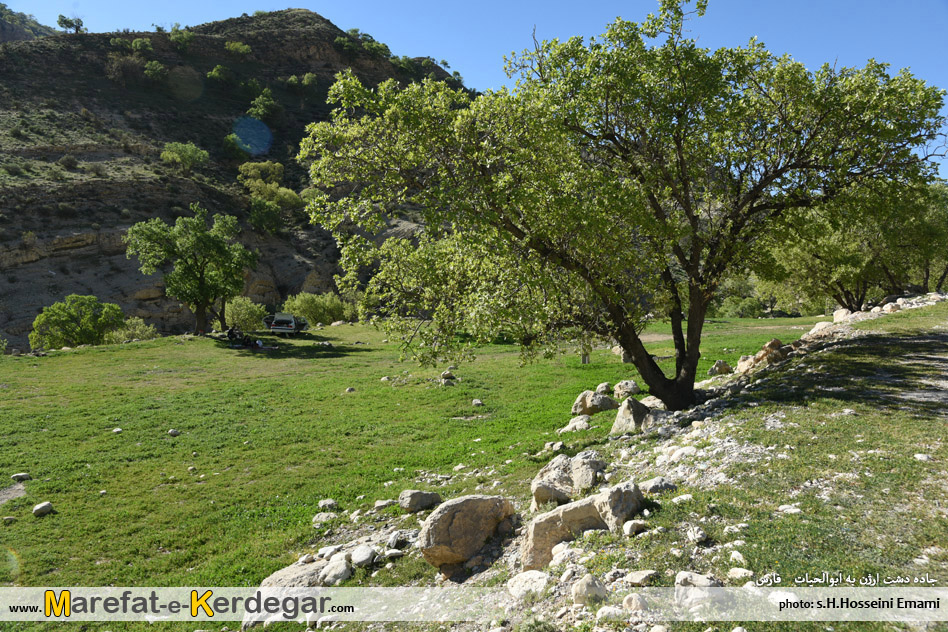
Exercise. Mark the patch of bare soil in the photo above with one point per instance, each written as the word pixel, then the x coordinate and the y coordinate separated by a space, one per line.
pixel 11 492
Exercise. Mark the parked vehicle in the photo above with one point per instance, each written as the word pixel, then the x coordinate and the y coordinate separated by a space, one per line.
pixel 285 324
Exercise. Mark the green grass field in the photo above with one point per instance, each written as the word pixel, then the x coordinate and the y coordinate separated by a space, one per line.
pixel 270 434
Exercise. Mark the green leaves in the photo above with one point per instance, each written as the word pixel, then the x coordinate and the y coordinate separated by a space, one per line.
pixel 78 320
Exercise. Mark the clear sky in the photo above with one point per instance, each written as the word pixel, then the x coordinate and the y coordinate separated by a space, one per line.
pixel 475 36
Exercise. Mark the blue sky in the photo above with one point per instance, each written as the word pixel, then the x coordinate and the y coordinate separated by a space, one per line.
pixel 475 36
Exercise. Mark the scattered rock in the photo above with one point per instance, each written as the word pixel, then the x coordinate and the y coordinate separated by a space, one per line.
pixel 737 558
pixel 43 509
pixel 610 613
pixel 631 418
pixel 841 314
pixel 888 308
pixel 350 389
pixel 923 457
pixel 789 509
pixel 174 433
pixel 634 603
pixel 634 527
pixel 337 570
pixel 328 551
pixel 413 500
pixel 696 535
pixel 720 368
pixel 363 555
pixel 684 498
pixel 324 516
pixel 588 590
pixel 476 403
pixel 328 504
pixel 553 483
pixel 296 576
pixel 116 430
pixel 457 529
pixel 696 580
pixel 590 403
pixel 21 476
pixel 586 469
pixel 528 582
pixel 640 578
pixel 447 375
pixel 383 504
pixel 580 422
pixel 608 510
pixel 604 388
pixel 740 573
pixel 306 559
pixel 625 388
pixel 657 485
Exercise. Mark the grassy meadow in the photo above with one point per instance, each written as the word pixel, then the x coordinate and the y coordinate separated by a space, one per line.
pixel 270 434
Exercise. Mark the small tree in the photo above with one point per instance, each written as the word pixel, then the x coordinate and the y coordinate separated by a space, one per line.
pixel 265 215
pixel 184 156
pixel 134 328
pixel 73 24
pixel 221 74
pixel 207 264
pixel 181 38
pixel 237 49
pixel 269 172
pixel 156 71
pixel 244 314
pixel 78 320
pixel 265 107
pixel 142 45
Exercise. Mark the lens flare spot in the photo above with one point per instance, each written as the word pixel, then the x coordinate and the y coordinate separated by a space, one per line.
pixel 253 135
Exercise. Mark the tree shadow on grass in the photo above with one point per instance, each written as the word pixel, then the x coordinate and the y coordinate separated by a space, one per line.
pixel 304 346
pixel 895 372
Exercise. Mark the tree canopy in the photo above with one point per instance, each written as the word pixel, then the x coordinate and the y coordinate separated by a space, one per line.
pixel 207 264
pixel 77 320
pixel 621 179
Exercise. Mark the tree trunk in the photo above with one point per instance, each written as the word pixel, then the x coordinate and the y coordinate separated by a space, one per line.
pixel 220 315
pixel 200 319
pixel 941 280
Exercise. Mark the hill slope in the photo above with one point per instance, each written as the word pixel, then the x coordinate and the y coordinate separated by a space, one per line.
pixel 83 128
pixel 16 26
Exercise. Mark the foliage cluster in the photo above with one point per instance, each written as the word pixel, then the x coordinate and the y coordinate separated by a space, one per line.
pixel 321 308
pixel 184 156
pixel 244 314
pixel 77 320
pixel 134 328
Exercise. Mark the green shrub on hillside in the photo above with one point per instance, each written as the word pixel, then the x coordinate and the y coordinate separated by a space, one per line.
pixel 238 49
pixel 181 38
pixel 156 71
pixel 184 156
pixel 283 197
pixel 265 215
pixel 121 43
pixel 142 45
pixel 321 308
pixel 221 74
pixel 265 107
pixel 244 314
pixel 134 328
pixel 78 320
pixel 125 69
pixel 269 171
pixel 235 148
pixel 68 161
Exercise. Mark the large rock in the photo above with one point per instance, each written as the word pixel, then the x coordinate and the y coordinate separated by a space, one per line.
pixel 43 509
pixel 363 555
pixel 528 582
pixel 337 570
pixel 608 509
pixel 296 576
pixel 604 388
pixel 457 529
pixel 588 590
pixel 553 483
pixel 412 500
pixel 841 314
pixel 591 402
pixel 586 468
pixel 657 485
pixel 720 368
pixel 625 388
pixel 563 478
pixel 631 418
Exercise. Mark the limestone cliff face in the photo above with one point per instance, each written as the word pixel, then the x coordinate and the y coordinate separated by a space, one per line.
pixel 81 159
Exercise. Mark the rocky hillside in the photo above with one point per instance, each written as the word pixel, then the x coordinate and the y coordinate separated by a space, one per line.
pixel 16 26
pixel 82 126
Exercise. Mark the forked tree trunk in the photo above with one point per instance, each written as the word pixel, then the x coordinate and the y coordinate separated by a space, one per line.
pixel 200 319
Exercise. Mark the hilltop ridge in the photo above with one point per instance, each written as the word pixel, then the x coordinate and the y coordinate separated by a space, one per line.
pixel 16 26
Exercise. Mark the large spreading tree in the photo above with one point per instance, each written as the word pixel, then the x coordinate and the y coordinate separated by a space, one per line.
pixel 621 179
pixel 207 263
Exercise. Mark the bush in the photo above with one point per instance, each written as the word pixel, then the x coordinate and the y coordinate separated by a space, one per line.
pixel 156 71
pixel 3 346
pixel 180 38
pixel 235 148
pixel 68 161
pixel 221 74
pixel 185 156
pixel 269 172
pixel 134 328
pixel 124 69
pixel 120 43
pixel 283 197
pixel 79 320
pixel 238 49
pixel 265 215
pixel 321 308
pixel 265 107
pixel 244 314
pixel 142 45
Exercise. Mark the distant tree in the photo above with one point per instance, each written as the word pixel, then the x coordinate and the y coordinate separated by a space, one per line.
pixel 207 263
pixel 68 24
pixel 156 71
pixel 78 320
pixel 221 74
pixel 121 43
pixel 181 38
pixel 237 49
pixel 185 156
pixel 265 107
pixel 159 28
pixel 265 215
pixel 124 69
pixel 142 45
